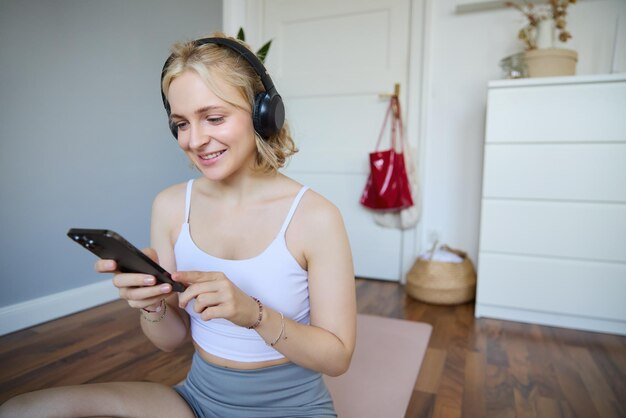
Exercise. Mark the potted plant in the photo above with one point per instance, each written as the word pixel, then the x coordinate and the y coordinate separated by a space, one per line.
pixel 262 52
pixel 546 24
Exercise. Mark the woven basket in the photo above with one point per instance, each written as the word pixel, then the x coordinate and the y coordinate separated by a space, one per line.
pixel 442 283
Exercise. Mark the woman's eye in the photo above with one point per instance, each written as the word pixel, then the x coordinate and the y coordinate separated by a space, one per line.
pixel 215 119
pixel 181 125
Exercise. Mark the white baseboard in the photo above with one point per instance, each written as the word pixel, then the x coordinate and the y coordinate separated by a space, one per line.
pixel 36 311
pixel 583 323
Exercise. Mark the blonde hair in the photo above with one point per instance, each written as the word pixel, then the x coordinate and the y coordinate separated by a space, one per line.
pixel 211 60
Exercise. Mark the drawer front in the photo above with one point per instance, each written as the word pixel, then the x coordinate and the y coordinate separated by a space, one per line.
pixel 558 113
pixel 553 285
pixel 590 172
pixel 560 229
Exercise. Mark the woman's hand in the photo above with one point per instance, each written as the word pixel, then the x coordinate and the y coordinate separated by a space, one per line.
pixel 139 290
pixel 216 297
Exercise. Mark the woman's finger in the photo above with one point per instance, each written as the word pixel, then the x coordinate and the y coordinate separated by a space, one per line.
pixel 143 293
pixel 133 280
pixel 206 300
pixel 152 254
pixel 193 277
pixel 194 290
pixel 212 312
pixel 139 304
pixel 106 266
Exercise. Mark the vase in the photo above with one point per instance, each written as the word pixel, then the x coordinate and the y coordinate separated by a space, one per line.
pixel 546 34
pixel 551 62
pixel 514 66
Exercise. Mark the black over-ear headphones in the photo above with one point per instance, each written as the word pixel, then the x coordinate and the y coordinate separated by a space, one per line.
pixel 268 114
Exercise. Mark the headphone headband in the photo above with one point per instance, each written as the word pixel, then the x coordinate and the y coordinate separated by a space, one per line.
pixel 248 55
pixel 268 113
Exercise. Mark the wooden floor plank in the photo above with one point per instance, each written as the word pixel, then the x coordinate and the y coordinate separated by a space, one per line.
pixel 432 369
pixel 29 358
pixel 449 400
pixel 474 395
pixel 496 354
pixel 575 392
pixel 600 391
pixel 615 348
pixel 524 406
pixel 499 395
pixel 551 408
pixel 421 405
pixel 82 366
pixel 541 352
pixel 609 354
pixel 444 410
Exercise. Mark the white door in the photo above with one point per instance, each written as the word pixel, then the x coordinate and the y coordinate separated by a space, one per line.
pixel 330 61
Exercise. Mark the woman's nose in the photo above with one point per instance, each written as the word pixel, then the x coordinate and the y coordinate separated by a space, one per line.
pixel 198 135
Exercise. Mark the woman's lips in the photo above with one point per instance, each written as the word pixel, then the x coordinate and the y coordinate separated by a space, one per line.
pixel 211 157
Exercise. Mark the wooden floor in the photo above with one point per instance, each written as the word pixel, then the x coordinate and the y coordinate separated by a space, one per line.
pixel 473 368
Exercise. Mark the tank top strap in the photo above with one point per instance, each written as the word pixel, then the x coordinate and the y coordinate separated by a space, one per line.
pixel 292 210
pixel 188 200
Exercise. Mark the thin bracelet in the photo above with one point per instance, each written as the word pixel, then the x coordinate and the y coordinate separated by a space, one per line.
pixel 258 321
pixel 160 318
pixel 282 331
pixel 158 308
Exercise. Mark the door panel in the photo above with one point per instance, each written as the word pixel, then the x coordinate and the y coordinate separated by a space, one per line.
pixel 334 133
pixel 330 60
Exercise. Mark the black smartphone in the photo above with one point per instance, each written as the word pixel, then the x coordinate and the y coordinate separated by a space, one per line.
pixel 109 245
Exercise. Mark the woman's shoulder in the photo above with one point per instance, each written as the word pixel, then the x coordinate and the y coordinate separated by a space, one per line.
pixel 172 192
pixel 317 227
pixel 315 202
pixel 317 213
pixel 171 199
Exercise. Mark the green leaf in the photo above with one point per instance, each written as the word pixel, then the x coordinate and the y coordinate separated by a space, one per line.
pixel 262 52
pixel 241 35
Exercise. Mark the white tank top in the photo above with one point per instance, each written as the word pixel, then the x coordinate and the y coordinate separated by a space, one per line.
pixel 274 277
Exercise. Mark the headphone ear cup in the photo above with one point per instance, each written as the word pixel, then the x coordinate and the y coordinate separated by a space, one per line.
pixel 268 115
pixel 173 129
pixel 257 113
pixel 171 124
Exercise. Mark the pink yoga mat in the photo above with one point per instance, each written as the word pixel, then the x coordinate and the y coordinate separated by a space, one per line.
pixel 385 365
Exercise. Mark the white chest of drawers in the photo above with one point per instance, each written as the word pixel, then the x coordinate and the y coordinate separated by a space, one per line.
pixel 553 219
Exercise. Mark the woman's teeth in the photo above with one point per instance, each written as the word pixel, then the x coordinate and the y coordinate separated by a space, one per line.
pixel 211 155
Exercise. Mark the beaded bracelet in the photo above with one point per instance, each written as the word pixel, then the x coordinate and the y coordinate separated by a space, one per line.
pixel 160 318
pixel 258 321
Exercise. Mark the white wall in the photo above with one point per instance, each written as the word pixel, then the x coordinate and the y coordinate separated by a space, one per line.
pixel 83 135
pixel 463 51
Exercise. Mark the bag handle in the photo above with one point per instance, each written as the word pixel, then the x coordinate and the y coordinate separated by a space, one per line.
pixel 394 109
pixel 397 113
pixel 398 119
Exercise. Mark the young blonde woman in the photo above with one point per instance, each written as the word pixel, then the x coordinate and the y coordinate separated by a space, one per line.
pixel 269 301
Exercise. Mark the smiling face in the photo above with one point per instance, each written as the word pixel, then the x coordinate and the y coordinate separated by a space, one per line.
pixel 217 136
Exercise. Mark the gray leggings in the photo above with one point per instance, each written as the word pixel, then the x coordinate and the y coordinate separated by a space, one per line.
pixel 285 391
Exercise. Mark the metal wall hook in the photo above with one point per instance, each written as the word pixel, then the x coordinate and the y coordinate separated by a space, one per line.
pixel 396 92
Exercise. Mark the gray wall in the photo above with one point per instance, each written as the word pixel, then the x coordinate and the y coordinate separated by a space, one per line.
pixel 83 135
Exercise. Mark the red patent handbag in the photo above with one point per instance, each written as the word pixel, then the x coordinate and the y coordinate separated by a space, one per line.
pixel 387 186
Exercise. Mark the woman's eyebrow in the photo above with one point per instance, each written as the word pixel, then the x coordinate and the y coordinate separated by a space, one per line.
pixel 199 111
